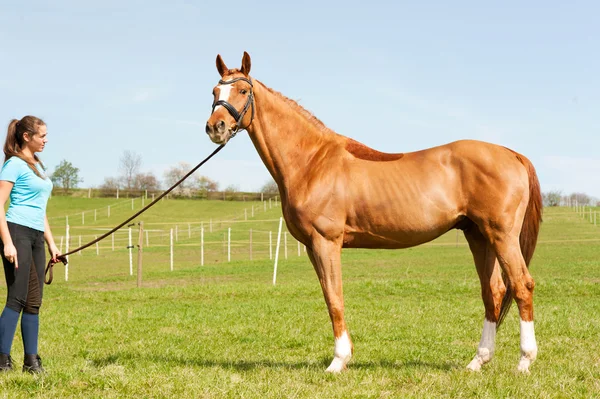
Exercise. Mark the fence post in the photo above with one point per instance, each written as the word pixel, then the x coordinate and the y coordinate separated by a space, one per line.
pixel 171 245
pixel 130 246
pixel 140 253
pixel 97 246
pixel 277 251
pixel 67 250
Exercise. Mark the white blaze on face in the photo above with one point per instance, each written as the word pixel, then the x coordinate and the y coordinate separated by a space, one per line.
pixel 224 91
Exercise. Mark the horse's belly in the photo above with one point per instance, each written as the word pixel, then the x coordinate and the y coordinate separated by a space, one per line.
pixel 389 240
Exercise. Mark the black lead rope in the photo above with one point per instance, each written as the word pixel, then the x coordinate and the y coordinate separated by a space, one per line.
pixel 63 258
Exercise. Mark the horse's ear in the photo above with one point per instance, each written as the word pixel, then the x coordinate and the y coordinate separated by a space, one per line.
pixel 246 64
pixel 221 67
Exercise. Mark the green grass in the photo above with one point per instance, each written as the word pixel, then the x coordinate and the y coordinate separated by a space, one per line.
pixel 223 330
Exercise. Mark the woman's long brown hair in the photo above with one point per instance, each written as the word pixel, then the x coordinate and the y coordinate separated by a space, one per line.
pixel 13 146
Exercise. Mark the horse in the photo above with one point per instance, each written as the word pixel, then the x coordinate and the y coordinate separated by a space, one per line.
pixel 338 193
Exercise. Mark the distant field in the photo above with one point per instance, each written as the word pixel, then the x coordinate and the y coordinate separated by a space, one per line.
pixel 223 330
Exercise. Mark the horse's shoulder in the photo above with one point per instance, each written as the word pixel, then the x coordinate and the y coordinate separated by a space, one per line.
pixel 361 151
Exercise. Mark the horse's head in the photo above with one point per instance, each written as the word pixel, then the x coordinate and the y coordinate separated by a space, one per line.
pixel 233 97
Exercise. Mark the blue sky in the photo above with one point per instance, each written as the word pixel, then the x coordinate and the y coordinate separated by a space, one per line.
pixel 109 76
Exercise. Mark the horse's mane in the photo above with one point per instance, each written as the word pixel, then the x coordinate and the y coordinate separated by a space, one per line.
pixel 303 111
pixel 354 147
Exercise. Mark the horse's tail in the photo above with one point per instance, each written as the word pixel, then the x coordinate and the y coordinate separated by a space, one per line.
pixel 529 230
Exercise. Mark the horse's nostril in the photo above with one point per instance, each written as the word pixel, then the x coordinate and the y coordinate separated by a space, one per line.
pixel 207 128
pixel 221 125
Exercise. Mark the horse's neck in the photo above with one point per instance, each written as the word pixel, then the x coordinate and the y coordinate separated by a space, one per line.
pixel 285 138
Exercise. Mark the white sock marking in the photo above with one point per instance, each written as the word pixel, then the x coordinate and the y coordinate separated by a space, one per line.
pixel 485 351
pixel 342 353
pixel 528 346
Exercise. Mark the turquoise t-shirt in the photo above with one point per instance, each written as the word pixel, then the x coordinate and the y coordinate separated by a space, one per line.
pixel 29 195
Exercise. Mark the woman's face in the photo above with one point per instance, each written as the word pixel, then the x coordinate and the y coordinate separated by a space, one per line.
pixel 36 142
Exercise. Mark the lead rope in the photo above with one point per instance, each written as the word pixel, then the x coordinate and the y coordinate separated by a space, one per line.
pixel 63 258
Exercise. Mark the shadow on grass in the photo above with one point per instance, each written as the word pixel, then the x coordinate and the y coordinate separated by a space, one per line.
pixel 246 365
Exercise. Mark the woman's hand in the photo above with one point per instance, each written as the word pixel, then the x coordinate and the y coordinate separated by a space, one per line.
pixel 54 252
pixel 10 253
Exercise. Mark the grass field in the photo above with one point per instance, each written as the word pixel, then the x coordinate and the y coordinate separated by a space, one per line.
pixel 223 330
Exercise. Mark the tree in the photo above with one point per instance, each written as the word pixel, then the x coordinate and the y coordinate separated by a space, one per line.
pixel 66 176
pixel 130 163
pixel 174 174
pixel 205 185
pixel 230 191
pixel 581 198
pixel 552 198
pixel 270 187
pixel 146 181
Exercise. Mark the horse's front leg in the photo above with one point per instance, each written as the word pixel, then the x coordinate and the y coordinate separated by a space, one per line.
pixel 325 256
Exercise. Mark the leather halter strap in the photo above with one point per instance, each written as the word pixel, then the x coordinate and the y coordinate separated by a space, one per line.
pixel 238 116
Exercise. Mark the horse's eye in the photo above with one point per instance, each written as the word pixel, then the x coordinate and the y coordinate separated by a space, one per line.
pixel 243 92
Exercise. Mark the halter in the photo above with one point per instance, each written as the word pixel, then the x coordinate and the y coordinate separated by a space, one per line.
pixel 238 116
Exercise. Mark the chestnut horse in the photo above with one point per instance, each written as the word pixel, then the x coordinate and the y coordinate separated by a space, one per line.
pixel 337 193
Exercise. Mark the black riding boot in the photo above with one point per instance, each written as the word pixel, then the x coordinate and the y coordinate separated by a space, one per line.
pixel 5 362
pixel 33 364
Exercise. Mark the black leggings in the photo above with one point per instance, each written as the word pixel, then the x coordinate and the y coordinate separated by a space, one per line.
pixel 25 284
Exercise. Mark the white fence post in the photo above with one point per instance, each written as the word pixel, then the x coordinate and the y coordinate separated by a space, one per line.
pixel 277 251
pixel 171 249
pixel 130 246
pixel 67 250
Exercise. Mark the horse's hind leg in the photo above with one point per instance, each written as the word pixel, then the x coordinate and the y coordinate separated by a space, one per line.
pixel 326 259
pixel 511 259
pixel 492 291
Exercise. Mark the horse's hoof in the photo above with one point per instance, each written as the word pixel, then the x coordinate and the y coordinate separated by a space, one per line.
pixel 523 366
pixel 475 364
pixel 336 366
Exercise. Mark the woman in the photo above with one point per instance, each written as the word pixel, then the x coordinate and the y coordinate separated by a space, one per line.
pixel 23 230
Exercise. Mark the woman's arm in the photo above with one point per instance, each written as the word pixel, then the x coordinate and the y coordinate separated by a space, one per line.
pixel 54 252
pixel 10 252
